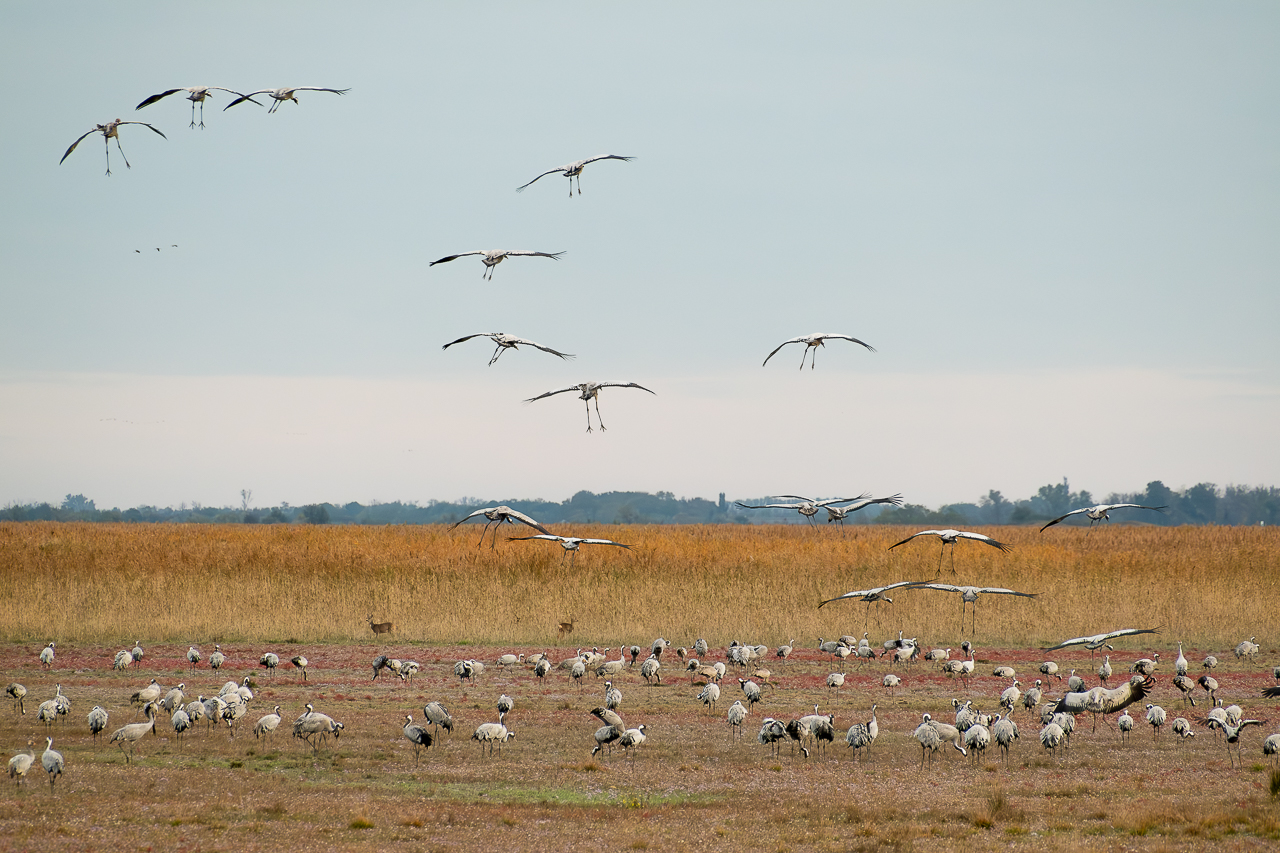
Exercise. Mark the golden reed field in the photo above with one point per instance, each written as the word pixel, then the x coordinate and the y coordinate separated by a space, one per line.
pixel 693 786
pixel 185 583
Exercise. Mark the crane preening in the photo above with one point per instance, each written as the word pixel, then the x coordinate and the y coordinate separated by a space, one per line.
pixel 1101 512
pixel 506 342
pixel 813 342
pixel 282 95
pixel 492 257
pixel 574 170
pixel 950 537
pixel 109 131
pixel 589 391
pixel 196 95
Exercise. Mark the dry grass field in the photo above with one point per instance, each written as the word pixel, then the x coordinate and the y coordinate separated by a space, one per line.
pixel 95 589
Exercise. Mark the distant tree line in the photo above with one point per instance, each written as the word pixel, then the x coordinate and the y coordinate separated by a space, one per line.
pixel 1204 503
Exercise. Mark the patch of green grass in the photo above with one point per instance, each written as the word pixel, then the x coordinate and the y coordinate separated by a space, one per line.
pixel 360 822
pixel 1274 785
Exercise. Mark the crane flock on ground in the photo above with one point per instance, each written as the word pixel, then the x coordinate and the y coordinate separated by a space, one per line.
pixel 992 716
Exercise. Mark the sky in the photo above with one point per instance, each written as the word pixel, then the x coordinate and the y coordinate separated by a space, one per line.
pixel 1054 222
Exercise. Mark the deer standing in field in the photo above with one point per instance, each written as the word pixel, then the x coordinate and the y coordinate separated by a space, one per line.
pixel 565 628
pixel 381 627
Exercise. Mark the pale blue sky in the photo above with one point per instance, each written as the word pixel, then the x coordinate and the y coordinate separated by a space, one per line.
pixel 1056 224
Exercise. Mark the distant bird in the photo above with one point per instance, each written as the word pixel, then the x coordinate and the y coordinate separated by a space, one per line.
pixel 612 730
pixel 932 734
pixel 216 659
pixel 46 656
pixel 840 513
pixel 891 681
pixel 751 690
pixel 835 681
pixel 1124 723
pixel 136 651
pixel 1210 685
pixel 492 257
pixel 97 720
pixel 863 735
pixel 122 659
pixel 650 670
pixel 569 543
pixel 52 761
pixel 1099 513
pixel 1051 737
pixel 130 735
pixel 632 739
pixel 438 716
pixel 196 95
pixel 181 722
pixel 710 695
pixel 1182 728
pixel 1247 649
pixel 173 699
pixel 505 704
pixel 150 693
pixel 1050 669
pixel 1098 641
pixel 737 713
pixel 589 391
pixel 19 693
pixel 315 727
pixel 1010 697
pixel 1180 665
pixel 1271 747
pixel 193 655
pixel 418 736
pixel 21 763
pixel 1005 732
pixel 969 595
pixel 1146 666
pixel 301 663
pixel 808 507
pixel 267 724
pixel 270 660
pixel 1156 717
pixel 813 342
pixel 950 537
pixel 109 131
pixel 506 342
pixel 501 515
pixel 1209 663
pixel 574 170
pixel 1187 687
pixel 1075 684
pixel 281 95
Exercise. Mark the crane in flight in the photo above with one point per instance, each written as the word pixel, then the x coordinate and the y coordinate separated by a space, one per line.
pixel 870 596
pixel 506 342
pixel 196 95
pixel 492 257
pixel 569 543
pixel 589 391
pixel 813 342
pixel 281 95
pixel 1098 641
pixel 840 513
pixel 500 515
pixel 574 170
pixel 1101 512
pixel 109 131
pixel 808 507
pixel 969 595
pixel 950 537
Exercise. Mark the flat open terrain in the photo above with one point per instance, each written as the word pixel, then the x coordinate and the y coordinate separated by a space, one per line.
pixel 691 787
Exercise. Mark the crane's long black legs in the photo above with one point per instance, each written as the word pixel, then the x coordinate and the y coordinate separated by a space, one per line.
pixel 597 415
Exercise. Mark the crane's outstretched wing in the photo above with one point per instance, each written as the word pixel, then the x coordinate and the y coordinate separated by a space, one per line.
pixel 446 260
pixel 548 537
pixel 624 385
pixel 74 144
pixel 469 337
pixel 143 123
pixel 1065 517
pixel 602 542
pixel 978 537
pixel 543 175
pixel 605 157
pixel 780 346
pixel 248 97
pixel 768 506
pixel 875 590
pixel 553 393
pixel 149 101
pixel 474 514
pixel 1102 638
pixel 913 536
pixel 317 89
pixel 555 256
pixel 849 338
pixel 518 341
pixel 524 519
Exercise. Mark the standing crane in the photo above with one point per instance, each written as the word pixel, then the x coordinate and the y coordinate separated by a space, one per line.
pixel 52 762
pixel 969 595
pixel 196 95
pixel 506 342
pixel 109 131
pixel 501 515
pixel 1101 512
pixel 812 342
pixel 574 170
pixel 281 95
pixel 950 537
pixel 46 656
pixel 588 391
pixel 418 736
pixel 492 257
